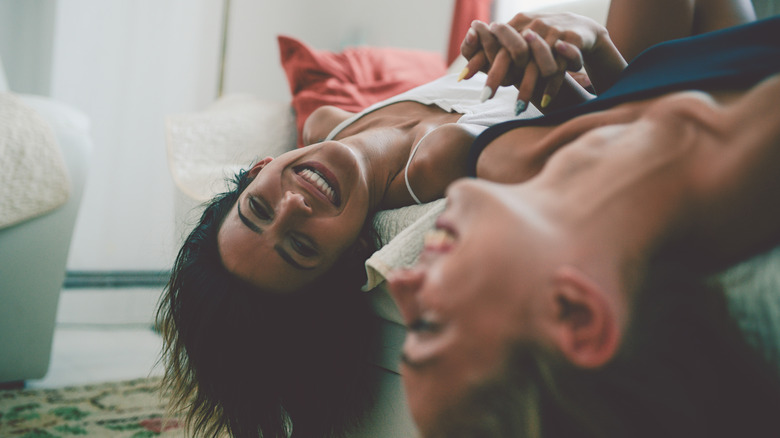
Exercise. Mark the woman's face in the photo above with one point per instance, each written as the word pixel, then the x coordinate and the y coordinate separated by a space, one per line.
pixel 475 289
pixel 299 214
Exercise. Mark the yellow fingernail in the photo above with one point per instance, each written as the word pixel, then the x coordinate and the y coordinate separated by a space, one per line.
pixel 463 73
pixel 546 100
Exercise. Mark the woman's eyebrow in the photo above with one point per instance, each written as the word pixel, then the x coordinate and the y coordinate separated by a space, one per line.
pixel 251 225
pixel 288 258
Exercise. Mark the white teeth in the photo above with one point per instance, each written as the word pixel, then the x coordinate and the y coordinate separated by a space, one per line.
pixel 317 180
pixel 438 238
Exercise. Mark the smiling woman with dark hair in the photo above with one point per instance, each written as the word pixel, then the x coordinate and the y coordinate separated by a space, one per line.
pixel 245 360
pixel 265 326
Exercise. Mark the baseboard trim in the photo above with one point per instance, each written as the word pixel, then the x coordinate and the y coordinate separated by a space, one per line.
pixel 115 279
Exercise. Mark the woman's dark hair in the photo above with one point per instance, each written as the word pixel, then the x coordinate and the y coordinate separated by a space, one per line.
pixel 684 370
pixel 253 363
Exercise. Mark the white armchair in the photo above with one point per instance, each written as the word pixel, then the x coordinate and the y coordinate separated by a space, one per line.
pixel 33 252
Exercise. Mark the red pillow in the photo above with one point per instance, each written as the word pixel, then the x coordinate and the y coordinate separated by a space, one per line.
pixel 353 79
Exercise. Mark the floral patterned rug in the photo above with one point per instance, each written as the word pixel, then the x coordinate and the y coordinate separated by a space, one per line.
pixel 132 408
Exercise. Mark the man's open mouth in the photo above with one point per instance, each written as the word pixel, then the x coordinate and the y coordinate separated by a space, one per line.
pixel 438 239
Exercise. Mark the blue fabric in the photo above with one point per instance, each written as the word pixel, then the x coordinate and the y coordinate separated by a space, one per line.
pixel 733 58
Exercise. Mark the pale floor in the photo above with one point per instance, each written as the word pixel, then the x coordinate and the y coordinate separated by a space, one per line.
pixel 103 335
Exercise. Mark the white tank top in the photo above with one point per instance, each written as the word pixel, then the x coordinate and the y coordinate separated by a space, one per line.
pixel 454 97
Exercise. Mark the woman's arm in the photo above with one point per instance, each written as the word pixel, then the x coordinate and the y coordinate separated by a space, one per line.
pixel 603 62
pixel 632 26
pixel 532 50
pixel 635 25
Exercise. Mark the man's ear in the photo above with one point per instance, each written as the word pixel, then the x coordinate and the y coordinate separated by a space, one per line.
pixel 259 166
pixel 588 331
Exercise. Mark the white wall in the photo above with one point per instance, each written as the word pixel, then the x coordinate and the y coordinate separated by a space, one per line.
pixel 127 64
pixel 26 36
pixel 253 57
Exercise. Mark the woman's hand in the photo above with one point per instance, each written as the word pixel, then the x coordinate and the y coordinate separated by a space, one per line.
pixel 532 50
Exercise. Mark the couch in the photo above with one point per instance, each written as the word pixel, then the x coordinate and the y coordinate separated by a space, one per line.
pixel 34 249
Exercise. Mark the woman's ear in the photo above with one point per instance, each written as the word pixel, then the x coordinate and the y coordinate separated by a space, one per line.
pixel 588 331
pixel 259 166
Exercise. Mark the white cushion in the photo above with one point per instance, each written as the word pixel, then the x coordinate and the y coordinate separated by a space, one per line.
pixel 34 179
pixel 206 147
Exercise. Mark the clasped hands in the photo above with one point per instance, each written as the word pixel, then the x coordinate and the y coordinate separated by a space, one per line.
pixel 533 52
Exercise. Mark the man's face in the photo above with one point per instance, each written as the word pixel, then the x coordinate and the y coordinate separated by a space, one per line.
pixel 487 276
pixel 474 291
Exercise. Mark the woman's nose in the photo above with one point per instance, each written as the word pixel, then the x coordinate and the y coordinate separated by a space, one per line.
pixel 294 203
pixel 404 285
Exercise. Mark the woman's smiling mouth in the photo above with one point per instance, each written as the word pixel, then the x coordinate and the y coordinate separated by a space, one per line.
pixel 322 180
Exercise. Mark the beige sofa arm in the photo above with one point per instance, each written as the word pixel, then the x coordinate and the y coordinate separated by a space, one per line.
pixel 34 253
